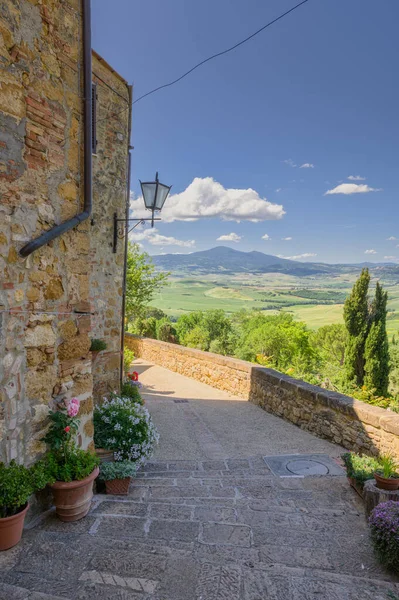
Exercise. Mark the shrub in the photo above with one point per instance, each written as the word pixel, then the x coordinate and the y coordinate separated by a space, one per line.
pixel 130 390
pixel 66 462
pixel 384 527
pixel 128 358
pixel 97 345
pixel 360 468
pixel 17 483
pixel 117 470
pixel 76 466
pixel 126 428
pixel 387 466
pixel 165 331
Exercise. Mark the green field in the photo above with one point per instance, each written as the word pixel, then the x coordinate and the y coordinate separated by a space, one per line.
pixel 316 300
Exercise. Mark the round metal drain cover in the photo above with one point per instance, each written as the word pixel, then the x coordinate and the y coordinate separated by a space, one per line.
pixel 307 467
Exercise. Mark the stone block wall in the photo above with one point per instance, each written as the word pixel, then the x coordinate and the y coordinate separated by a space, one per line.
pixel 353 424
pixel 109 196
pixel 51 303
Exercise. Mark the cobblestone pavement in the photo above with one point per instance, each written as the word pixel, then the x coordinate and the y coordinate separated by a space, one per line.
pixel 217 526
pixel 211 530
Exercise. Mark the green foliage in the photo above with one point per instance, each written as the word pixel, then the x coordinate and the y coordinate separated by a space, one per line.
pixel 356 317
pixel 125 427
pixel 142 281
pixel 388 467
pixel 360 468
pixel 97 345
pixel 146 327
pixel 330 342
pixel 200 329
pixel 18 483
pixel 61 432
pixel 128 358
pixel 197 338
pixel 75 466
pixel 280 340
pixel 66 462
pixel 131 391
pixel 165 331
pixel 376 353
pixel 117 470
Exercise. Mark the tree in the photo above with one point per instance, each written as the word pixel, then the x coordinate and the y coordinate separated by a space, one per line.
pixel 280 341
pixel 142 280
pixel 165 331
pixel 376 354
pixel 330 341
pixel 356 317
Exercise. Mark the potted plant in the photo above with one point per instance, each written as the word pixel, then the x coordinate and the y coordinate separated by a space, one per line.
pixel 72 469
pixel 96 347
pixel 117 476
pixel 359 469
pixel 384 528
pixel 17 484
pixel 386 475
pixel 126 428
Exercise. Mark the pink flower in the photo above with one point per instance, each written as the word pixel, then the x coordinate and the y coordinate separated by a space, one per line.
pixel 73 407
pixel 67 429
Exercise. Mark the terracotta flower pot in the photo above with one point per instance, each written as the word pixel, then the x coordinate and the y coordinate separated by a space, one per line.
pixel 386 483
pixel 105 455
pixel 118 487
pixel 72 499
pixel 11 529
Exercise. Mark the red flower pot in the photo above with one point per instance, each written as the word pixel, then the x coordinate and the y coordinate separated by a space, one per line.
pixel 11 529
pixel 72 499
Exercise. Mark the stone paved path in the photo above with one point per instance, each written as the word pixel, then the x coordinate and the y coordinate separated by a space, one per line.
pixel 221 528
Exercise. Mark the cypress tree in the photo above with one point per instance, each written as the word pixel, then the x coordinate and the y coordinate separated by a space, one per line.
pixel 356 317
pixel 376 350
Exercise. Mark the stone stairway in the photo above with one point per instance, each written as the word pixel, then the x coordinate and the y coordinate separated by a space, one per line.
pixel 206 530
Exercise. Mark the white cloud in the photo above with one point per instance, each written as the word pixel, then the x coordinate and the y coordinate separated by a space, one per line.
pixel 266 237
pixel 287 239
pixel 289 162
pixel 229 237
pixel 298 256
pixel 392 238
pixel 371 251
pixel 205 198
pixel 351 188
pixel 156 239
pixel 356 178
pixel 390 258
pixel 307 166
pixel 278 190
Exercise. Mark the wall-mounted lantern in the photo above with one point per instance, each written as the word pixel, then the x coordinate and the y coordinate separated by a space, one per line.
pixel 154 195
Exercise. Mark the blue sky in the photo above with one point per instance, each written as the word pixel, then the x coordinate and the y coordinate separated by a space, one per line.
pixel 319 88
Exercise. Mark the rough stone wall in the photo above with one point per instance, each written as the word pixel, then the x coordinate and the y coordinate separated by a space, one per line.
pixel 46 302
pixel 353 424
pixel 44 341
pixel 228 374
pixel 109 196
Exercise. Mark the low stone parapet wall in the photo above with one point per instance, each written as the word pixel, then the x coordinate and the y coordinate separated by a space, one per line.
pixel 343 420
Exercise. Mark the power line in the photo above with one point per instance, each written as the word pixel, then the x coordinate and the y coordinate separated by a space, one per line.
pixel 223 52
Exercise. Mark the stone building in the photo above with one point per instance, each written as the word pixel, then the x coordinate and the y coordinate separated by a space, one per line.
pixel 62 177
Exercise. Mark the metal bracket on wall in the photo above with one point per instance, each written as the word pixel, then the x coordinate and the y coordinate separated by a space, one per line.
pixel 121 227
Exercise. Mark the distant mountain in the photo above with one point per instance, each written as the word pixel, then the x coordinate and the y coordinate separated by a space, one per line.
pixel 227 260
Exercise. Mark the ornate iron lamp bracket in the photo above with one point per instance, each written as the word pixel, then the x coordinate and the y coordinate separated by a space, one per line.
pixel 121 227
